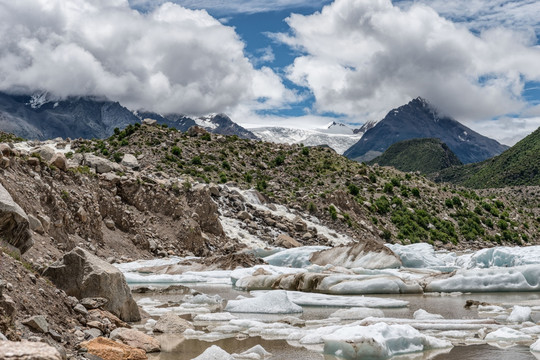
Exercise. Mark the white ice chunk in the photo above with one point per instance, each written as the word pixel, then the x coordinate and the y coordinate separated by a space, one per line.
pixel 139 264
pixel 357 313
pixel 255 353
pixel 505 257
pixel 209 277
pixel 379 341
pixel 315 299
pixel 506 334
pixel 422 314
pixel 521 278
pixel 520 314
pixel 422 255
pixel 274 302
pixel 222 316
pixel 536 346
pixel 214 353
pixel 296 257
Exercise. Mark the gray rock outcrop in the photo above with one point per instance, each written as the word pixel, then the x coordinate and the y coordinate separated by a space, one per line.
pixel 171 323
pixel 81 274
pixel 14 224
pixel 100 164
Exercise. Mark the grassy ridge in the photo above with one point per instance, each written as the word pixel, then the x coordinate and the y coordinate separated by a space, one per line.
pixel 424 155
pixel 519 165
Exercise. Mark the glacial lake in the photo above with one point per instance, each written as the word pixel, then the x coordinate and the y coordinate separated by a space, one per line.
pixel 176 347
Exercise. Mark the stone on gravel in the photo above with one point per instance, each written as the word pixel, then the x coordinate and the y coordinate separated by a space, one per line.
pixel 171 323
pixel 38 323
pixel 81 274
pixel 136 339
pixel 286 241
pixel 108 349
pixel 26 350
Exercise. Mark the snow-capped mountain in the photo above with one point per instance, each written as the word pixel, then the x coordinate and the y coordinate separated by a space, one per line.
pixel 338 136
pixel 418 119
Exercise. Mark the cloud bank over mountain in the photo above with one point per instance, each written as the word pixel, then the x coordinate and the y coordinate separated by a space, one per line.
pixel 171 59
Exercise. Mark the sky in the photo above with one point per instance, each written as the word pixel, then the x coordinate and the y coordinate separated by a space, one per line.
pixel 293 63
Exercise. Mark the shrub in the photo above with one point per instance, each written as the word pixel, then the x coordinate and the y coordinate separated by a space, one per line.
pixel 222 178
pixel 248 177
pixel 176 151
pixel 416 192
pixel 354 190
pixel 388 188
pixel 305 151
pixel 311 207
pixel 333 212
pixel 196 160
pixel 117 156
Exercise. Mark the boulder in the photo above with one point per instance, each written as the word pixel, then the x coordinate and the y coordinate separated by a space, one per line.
pixel 171 323
pixel 26 350
pixel 149 122
pixel 108 349
pixel 46 153
pixel 60 161
pixel 136 339
pixel 35 224
pixel 38 323
pixel 130 161
pixel 196 131
pixel 286 241
pixel 81 274
pixel 100 164
pixel 367 254
pixel 14 223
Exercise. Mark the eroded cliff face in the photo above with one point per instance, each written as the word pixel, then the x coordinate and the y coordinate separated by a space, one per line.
pixel 112 214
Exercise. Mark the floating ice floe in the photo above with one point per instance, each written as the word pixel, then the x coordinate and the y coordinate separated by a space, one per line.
pixel 520 314
pixel 536 346
pixel 139 264
pixel 520 278
pixel 506 334
pixel 208 277
pixel 379 341
pixel 221 316
pixel 423 255
pixel 295 257
pixel 504 256
pixel 422 314
pixel 214 352
pixel 315 299
pixel 274 302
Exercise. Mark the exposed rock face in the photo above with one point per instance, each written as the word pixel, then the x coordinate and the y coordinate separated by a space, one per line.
pixel 130 161
pixel 14 224
pixel 82 275
pixel 172 323
pixel 108 349
pixel 26 350
pixel 136 339
pixel 369 255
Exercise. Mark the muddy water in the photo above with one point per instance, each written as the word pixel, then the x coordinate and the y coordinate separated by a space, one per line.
pixel 451 307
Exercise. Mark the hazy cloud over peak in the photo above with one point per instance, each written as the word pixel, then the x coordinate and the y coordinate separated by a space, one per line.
pixel 362 58
pixel 169 60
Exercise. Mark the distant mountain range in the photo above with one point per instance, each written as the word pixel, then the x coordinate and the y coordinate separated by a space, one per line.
pixel 424 155
pixel 519 165
pixel 41 117
pixel 418 119
pixel 336 135
pixel 215 123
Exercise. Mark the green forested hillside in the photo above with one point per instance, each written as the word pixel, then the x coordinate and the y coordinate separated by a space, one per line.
pixel 519 165
pixel 424 155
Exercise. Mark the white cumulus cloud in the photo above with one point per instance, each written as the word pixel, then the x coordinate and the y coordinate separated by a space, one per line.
pixel 171 59
pixel 364 57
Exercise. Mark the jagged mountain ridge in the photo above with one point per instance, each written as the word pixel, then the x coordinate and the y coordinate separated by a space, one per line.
pixel 337 136
pixel 34 117
pixel 424 155
pixel 42 117
pixel 418 119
